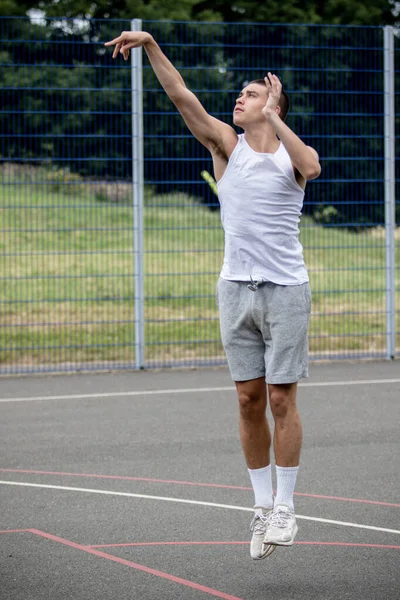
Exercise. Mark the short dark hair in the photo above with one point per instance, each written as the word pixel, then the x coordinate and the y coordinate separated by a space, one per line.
pixel 284 102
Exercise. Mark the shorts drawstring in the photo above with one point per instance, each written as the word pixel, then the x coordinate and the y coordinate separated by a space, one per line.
pixel 253 286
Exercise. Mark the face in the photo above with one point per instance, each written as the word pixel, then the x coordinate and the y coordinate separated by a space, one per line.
pixel 249 104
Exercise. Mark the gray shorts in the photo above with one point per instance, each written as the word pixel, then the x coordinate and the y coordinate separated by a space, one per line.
pixel 264 332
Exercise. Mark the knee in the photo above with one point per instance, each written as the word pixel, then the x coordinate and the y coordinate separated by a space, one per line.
pixel 251 405
pixel 280 402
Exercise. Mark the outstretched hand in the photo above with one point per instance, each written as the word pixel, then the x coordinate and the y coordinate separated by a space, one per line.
pixel 128 40
pixel 274 89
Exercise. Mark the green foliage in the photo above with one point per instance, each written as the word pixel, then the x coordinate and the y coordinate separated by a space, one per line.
pixel 355 12
pixel 65 101
pixel 340 12
pixel 327 215
pixel 51 178
pixel 15 8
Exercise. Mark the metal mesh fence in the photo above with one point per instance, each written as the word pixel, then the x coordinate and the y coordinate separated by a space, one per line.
pixel 68 237
pixel 67 252
pixel 397 195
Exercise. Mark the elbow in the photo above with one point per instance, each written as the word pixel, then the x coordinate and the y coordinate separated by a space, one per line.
pixel 313 172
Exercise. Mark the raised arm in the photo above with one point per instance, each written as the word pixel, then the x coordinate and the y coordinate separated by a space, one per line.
pixel 211 132
pixel 304 158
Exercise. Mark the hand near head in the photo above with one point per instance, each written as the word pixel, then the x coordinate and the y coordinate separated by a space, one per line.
pixel 274 89
pixel 128 40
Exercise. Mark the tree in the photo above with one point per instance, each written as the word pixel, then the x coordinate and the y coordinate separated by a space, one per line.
pixel 340 12
pixel 76 95
pixel 336 12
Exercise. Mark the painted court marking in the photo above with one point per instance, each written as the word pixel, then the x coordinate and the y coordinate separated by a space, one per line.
pixel 190 483
pixel 186 501
pixel 186 391
pixel 132 565
pixel 213 543
pixel 94 550
pixel 197 543
pixel 14 530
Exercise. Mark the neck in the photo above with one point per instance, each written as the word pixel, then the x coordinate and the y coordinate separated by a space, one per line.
pixel 262 139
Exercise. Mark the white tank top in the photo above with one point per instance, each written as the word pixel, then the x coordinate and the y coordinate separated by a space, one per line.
pixel 261 204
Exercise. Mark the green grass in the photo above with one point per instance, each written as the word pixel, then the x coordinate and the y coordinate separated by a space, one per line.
pixel 67 293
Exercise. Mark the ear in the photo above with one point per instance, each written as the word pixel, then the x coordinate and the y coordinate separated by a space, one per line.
pixel 278 110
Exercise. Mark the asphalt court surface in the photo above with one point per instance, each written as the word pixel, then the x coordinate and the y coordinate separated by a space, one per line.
pixel 133 485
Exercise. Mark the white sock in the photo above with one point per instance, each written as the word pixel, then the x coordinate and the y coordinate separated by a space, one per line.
pixel 285 484
pixel 261 480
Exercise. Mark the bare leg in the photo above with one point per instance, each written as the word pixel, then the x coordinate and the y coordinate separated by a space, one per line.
pixel 288 430
pixel 254 429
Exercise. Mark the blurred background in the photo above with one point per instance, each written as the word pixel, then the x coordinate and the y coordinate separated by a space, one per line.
pixel 111 241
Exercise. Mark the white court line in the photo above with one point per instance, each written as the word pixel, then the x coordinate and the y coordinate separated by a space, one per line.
pixel 185 501
pixel 187 390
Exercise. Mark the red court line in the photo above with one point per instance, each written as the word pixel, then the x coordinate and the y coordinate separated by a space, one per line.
pixel 339 498
pixel 213 543
pixel 127 478
pixel 166 544
pixel 128 563
pixel 195 483
pixel 350 544
pixel 14 530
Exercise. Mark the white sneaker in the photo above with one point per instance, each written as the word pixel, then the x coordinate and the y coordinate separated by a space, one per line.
pixel 282 527
pixel 259 524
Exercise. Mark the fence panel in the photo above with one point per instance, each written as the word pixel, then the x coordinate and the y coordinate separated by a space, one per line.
pixel 67 231
pixel 397 174
pixel 334 77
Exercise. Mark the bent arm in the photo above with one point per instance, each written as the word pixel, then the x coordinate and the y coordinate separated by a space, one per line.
pixel 304 158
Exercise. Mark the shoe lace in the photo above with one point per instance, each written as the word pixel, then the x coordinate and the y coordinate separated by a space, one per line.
pixel 279 518
pixel 259 523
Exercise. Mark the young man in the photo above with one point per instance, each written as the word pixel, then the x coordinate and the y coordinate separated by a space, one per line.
pixel 263 291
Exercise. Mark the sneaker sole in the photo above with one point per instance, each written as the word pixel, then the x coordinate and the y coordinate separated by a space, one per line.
pixel 270 550
pixel 290 543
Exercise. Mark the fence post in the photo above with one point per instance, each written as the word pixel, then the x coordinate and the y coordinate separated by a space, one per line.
pixel 138 184
pixel 390 198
